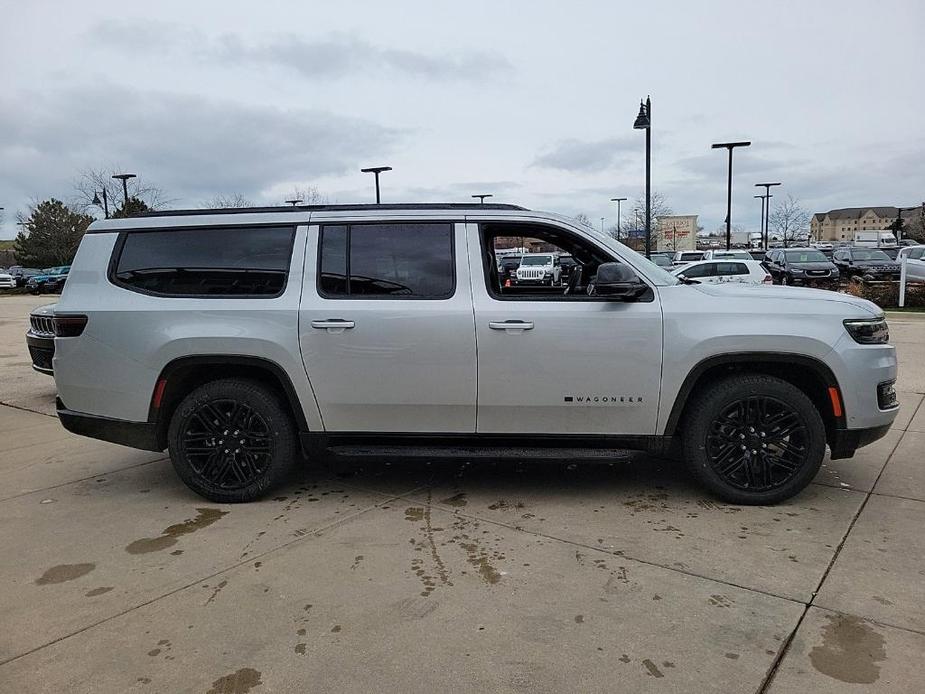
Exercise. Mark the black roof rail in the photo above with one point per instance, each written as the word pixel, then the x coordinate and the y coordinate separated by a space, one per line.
pixel 474 206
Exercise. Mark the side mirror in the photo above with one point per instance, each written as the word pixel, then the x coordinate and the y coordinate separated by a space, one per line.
pixel 619 281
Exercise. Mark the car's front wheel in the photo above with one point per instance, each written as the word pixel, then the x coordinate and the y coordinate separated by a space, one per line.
pixel 232 440
pixel 754 439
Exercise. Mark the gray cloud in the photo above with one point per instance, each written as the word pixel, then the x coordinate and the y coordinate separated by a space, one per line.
pixel 327 58
pixel 586 156
pixel 192 146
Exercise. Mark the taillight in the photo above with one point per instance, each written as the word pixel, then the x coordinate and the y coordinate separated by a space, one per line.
pixel 69 326
pixel 767 279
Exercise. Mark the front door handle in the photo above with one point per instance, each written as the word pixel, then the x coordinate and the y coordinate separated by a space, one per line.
pixel 334 325
pixel 511 325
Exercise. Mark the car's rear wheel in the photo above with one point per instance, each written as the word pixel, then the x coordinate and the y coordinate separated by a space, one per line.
pixel 232 440
pixel 754 439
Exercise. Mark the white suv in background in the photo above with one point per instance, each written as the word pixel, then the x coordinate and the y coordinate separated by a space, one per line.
pixel 242 339
pixel 724 270
pixel 539 268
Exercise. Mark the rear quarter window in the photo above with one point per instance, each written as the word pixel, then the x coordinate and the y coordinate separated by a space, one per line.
pixel 207 262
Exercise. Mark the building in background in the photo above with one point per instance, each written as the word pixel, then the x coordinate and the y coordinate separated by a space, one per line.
pixel 676 233
pixel 842 225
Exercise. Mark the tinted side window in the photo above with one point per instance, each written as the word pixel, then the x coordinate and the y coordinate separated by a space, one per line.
pixel 412 259
pixel 703 270
pixel 207 262
pixel 726 269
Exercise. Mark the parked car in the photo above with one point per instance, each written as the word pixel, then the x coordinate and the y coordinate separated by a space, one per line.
pixel 722 254
pixel 49 281
pixel 663 260
pixel 539 268
pixel 507 268
pixel 685 257
pixel 719 271
pixel 758 254
pixel 567 264
pixel 802 266
pixel 872 263
pixel 915 262
pixel 22 274
pixel 40 338
pixel 238 341
pixel 7 281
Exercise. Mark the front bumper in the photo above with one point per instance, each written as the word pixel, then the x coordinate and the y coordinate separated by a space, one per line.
pixel 42 351
pixel 141 435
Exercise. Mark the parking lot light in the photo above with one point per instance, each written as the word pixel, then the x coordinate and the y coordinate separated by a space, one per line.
pixel 482 196
pixel 376 170
pixel 729 146
pixel 766 227
pixel 644 122
pixel 124 178
pixel 618 201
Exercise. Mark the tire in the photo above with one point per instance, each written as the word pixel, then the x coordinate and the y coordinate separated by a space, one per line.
pixel 209 417
pixel 787 281
pixel 728 416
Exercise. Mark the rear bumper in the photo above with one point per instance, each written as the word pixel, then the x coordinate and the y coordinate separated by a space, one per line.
pixel 142 435
pixel 846 441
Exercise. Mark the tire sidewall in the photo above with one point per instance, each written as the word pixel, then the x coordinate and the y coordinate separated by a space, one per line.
pixel 279 423
pixel 730 390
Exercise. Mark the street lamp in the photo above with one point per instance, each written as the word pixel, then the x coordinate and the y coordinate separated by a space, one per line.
pixel 293 202
pixel 602 225
pixel 644 122
pixel 766 229
pixel 105 202
pixel 618 201
pixel 482 196
pixel 124 178
pixel 730 146
pixel 376 170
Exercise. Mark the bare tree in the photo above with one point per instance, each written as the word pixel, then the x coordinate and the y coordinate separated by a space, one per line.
pixel 583 219
pixel 222 201
pixel 91 183
pixel 635 216
pixel 789 219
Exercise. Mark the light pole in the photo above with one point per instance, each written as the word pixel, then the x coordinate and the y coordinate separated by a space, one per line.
pixel 766 229
pixel 482 196
pixel 729 146
pixel 618 201
pixel 293 202
pixel 602 225
pixel 105 203
pixel 899 220
pixel 124 178
pixel 376 170
pixel 644 122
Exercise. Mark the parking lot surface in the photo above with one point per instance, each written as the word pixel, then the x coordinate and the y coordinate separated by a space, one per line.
pixel 421 575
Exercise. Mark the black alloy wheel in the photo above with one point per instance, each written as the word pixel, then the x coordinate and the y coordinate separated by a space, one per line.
pixel 232 440
pixel 753 439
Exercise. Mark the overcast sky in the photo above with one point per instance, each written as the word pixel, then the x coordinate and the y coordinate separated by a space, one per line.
pixel 531 101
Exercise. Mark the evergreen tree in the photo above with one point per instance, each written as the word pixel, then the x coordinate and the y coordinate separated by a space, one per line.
pixel 132 208
pixel 50 234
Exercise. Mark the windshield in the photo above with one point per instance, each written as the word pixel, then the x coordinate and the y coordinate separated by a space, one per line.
pixel 806 257
pixel 870 255
pixel 537 260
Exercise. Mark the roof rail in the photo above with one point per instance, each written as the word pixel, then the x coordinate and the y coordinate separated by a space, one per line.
pixel 337 208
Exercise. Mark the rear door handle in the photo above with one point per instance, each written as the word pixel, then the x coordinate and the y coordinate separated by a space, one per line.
pixel 511 325
pixel 334 325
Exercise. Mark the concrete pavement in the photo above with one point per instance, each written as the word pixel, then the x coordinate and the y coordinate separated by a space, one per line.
pixel 424 575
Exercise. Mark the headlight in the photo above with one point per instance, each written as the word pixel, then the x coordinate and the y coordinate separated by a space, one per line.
pixel 868 331
pixel 796 271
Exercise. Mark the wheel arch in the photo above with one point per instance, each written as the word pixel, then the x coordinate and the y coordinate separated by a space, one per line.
pixel 812 376
pixel 180 376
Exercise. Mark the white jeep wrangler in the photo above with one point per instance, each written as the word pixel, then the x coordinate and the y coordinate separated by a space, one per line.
pixel 539 268
pixel 241 339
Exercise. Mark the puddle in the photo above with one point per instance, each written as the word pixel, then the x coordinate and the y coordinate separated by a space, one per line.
pixel 850 651
pixel 169 535
pixel 239 682
pixel 63 573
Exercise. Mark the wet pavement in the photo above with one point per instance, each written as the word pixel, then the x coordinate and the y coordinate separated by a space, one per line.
pixel 422 575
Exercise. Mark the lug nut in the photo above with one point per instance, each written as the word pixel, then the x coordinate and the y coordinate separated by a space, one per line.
pixel 741 436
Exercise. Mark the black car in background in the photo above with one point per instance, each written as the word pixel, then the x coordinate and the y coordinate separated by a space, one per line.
pixel 567 263
pixel 507 268
pixel 865 262
pixel 22 274
pixel 806 267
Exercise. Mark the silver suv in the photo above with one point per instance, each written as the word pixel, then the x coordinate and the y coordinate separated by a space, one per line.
pixel 242 339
